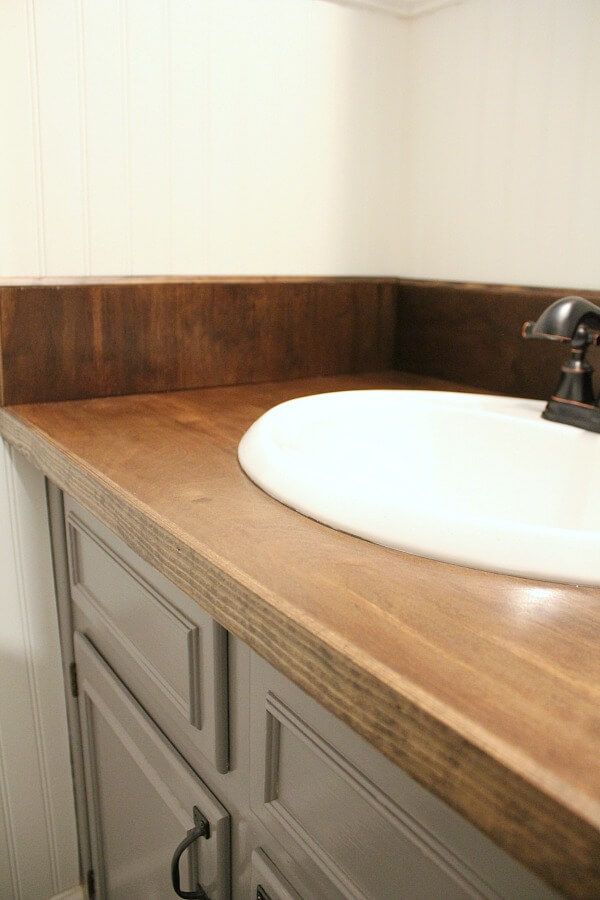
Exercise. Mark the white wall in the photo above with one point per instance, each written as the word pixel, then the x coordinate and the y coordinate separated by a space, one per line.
pixel 299 136
pixel 38 847
pixel 503 143
pixel 219 136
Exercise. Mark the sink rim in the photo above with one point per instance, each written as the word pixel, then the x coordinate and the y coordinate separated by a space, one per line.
pixel 556 552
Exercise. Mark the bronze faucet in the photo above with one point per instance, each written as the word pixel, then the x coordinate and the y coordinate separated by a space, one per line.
pixel 574 320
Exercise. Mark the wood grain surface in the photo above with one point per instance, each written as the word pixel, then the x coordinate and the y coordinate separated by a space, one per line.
pixel 125 336
pixel 472 333
pixel 483 687
pixel 77 338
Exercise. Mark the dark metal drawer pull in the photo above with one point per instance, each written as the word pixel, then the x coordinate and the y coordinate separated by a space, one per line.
pixel 201 830
pixel 261 894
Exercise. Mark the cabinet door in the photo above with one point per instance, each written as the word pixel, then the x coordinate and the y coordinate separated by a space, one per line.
pixel 170 652
pixel 143 798
pixel 357 825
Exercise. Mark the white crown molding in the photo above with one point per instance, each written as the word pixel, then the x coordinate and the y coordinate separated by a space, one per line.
pixel 401 9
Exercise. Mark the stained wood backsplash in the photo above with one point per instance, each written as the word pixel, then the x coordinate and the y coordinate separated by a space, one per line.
pixel 471 333
pixel 84 338
pixel 127 336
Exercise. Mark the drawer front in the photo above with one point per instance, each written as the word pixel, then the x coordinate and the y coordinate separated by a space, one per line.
pixel 267 883
pixel 143 798
pixel 369 829
pixel 179 650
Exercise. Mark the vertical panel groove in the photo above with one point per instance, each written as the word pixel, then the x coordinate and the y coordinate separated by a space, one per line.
pixel 34 694
pixel 82 84
pixel 125 95
pixel 168 63
pixel 6 454
pixel 8 822
pixel 38 156
pixel 206 142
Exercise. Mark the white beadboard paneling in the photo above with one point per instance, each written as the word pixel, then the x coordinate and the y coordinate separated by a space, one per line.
pixel 35 777
pixel 20 249
pixel 300 95
pixel 302 136
pixel 504 141
pixel 214 137
pixel 273 194
pixel 103 128
pixel 146 46
pixel 53 25
pixel 189 90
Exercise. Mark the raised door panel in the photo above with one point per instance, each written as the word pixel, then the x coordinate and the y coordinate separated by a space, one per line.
pixel 361 827
pixel 180 652
pixel 141 796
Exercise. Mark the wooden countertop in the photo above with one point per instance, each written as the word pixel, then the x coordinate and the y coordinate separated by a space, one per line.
pixel 485 688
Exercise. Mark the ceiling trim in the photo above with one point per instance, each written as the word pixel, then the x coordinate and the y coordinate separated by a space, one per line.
pixel 402 9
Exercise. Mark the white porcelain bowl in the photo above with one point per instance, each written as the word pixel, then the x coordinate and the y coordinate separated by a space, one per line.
pixel 476 480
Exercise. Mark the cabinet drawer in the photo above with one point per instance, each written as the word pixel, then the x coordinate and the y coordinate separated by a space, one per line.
pixel 143 798
pixel 267 883
pixel 179 651
pixel 362 825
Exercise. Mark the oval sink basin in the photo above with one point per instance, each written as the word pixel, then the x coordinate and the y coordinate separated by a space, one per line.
pixel 476 480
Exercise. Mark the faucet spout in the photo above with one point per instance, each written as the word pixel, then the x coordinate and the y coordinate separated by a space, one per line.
pixel 560 321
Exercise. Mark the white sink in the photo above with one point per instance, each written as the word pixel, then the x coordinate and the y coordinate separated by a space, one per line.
pixel 476 480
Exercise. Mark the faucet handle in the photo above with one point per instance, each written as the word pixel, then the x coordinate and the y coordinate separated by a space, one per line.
pixel 560 320
pixel 584 335
pixel 528 331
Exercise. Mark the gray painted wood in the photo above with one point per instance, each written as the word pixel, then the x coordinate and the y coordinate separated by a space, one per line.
pixel 180 651
pixel 360 825
pixel 60 566
pixel 141 794
pixel 266 878
pixel 316 812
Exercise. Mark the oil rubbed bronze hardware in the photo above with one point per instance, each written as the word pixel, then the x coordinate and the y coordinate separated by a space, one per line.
pixel 261 894
pixel 576 321
pixel 201 829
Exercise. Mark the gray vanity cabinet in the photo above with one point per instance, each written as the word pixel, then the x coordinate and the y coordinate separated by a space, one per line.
pixel 355 824
pixel 141 796
pixel 177 725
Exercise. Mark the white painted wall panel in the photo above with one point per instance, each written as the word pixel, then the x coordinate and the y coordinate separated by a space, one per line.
pixel 218 137
pixel 300 180
pixel 37 821
pixel 299 136
pixel 53 41
pixel 103 125
pixel 189 138
pixel 147 53
pixel 504 137
pixel 21 215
